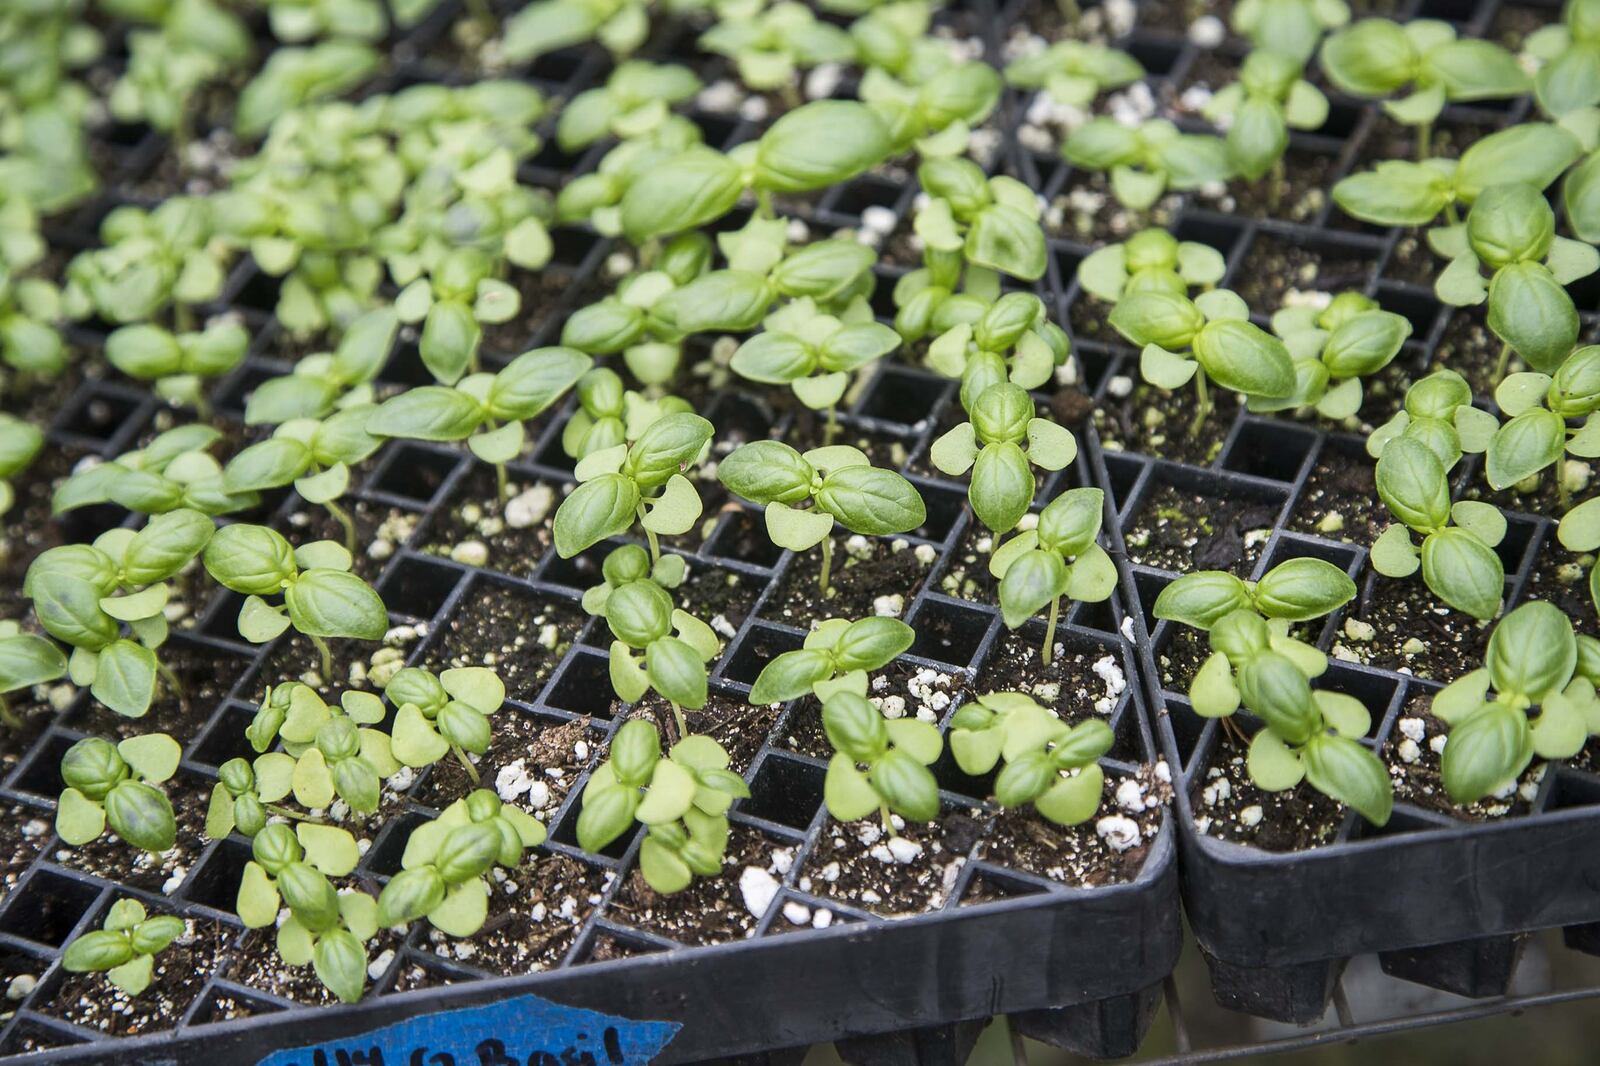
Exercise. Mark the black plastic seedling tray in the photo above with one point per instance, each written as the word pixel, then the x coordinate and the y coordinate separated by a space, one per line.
pixel 1442 899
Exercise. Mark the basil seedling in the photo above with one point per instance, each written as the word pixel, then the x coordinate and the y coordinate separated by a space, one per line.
pixel 173 472
pixel 1147 160
pixel 1058 557
pixel 294 77
pixel 1333 349
pixel 1296 590
pixel 1074 72
pixel 150 262
pixel 932 101
pixel 1208 338
pixel 84 593
pixel 1011 339
pixel 879 765
pixel 1047 762
pixel 1535 435
pixel 1270 98
pixel 609 414
pixel 1150 259
pixel 474 409
pixel 975 223
pixel 682 798
pixel 770 46
pixel 26 660
pixel 1568 58
pixel 30 343
pixel 315 456
pixel 327 382
pixel 124 947
pixel 321 597
pixel 1511 230
pixel 247 795
pixel 442 714
pixel 621 483
pixel 839 482
pixel 326 928
pixel 20 442
pixel 550 25
pixel 1375 58
pixel 1534 660
pixel 115 785
pixel 443 872
pixel 998 445
pixel 330 753
pixel 643 619
pixel 633 102
pixel 1290 27
pixel 1438 412
pixel 169 67
pixel 835 657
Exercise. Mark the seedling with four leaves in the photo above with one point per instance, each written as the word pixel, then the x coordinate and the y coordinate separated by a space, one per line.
pixel 1333 349
pixel 879 765
pixel 1057 558
pixel 836 657
pixel 115 785
pixel 1048 763
pixel 125 946
pixel 1150 259
pixel 443 714
pixel 330 752
pixel 1001 444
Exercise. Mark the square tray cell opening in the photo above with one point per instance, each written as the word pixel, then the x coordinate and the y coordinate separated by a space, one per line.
pixel 759 646
pixel 786 791
pixel 225 738
pixel 418 588
pixel 411 472
pixel 383 858
pixel 902 396
pixel 987 884
pixel 948 632
pixel 48 907
pixel 583 687
pixel 1269 449
pixel 216 883
pixel 41 774
pixel 97 413
pixel 606 944
pixel 1376 692
pixel 945 507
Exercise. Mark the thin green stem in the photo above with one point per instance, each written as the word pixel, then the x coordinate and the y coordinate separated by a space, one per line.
pixel 342 516
pixel 170 679
pixel 827 564
pixel 461 757
pixel 327 658
pixel 1202 406
pixel 1070 12
pixel 1050 631
pixel 764 203
pixel 649 535
pixel 1424 141
pixel 285 812
pixel 1019 1050
pixel 1275 185
pixel 8 716
pixel 1503 362
pixel 888 822
pixel 1563 494
pixel 183 317
pixel 501 482
pixel 1450 214
pixel 832 428
pixel 677 716
pixel 202 406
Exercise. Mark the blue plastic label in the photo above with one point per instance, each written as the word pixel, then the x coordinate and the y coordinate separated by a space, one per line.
pixel 525 1031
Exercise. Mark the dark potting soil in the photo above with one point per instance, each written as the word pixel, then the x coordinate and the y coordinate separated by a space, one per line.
pixel 206 677
pixel 474 514
pixel 1181 657
pixel 181 970
pixel 606 947
pixel 967 575
pixel 1229 806
pixel 899 690
pixel 1414 769
pixel 1183 531
pixel 1513 23
pixel 1467 347
pixel 710 593
pixel 738 726
pixel 1412 261
pixel 1562 578
pixel 1340 500
pixel 1411 631
pixel 379 531
pixel 28 528
pixel 1388 139
pixel 1156 422
pixel 541 292
pixel 415 975
pixel 1090 319
pixel 227 1007
pixel 878 567
pixel 1080 855
pixel 539 757
pixel 711 910
pixel 109 859
pixel 1083 680
pixel 1273 265
pixel 859 864
pixel 809 430
pixel 520 634
pixel 296 659
pixel 23 831
pixel 1300 197
pixel 535 914
pixel 1090 214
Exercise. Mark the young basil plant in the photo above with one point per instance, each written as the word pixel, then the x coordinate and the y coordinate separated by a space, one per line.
pixel 682 799
pixel 1511 230
pixel 771 46
pixel 933 102
pixel 1144 162
pixel 321 597
pixel 1011 339
pixel 247 795
pixel 326 927
pixel 1208 338
pixel 1438 412
pixel 1048 763
pixel 1270 98
pixel 20 442
pixel 1333 349
pixel 835 657
pixel 178 364
pixel 115 785
pixel 1457 559
pixel 150 262
pixel 1376 58
pixel 443 714
pixel 83 594
pixel 550 25
pixel 879 764
pixel 1074 72
pixel 1535 435
pixel 1291 27
pixel 998 445
pixel 167 69
pixel 173 472
pixel 296 21
pixel 125 946
pixel 609 414
pixel 26 660
pixel 1150 259
pixel 620 484
pixel 315 456
pixel 1056 558
pixel 294 77
pixel 975 225
pixel 1567 54
pixel 1534 660
pixel 634 101
pixel 643 619
pixel 474 408
pixel 444 871
pixel 30 344
pixel 330 752
pixel 840 483
pixel 327 382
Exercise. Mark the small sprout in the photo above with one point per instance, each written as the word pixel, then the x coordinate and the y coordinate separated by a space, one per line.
pixel 879 765
pixel 293 77
pixel 178 364
pixel 1567 55
pixel 150 262
pixel 1208 338
pixel 314 456
pixel 1074 72
pixel 1376 58
pixel 443 875
pixel 1533 661
pixel 609 414
pixel 327 382
pixel 683 799
pixel 839 482
pixel 443 714
pixel 1333 349
pixel 1059 557
pixel 83 594
pixel 124 947
pixel 1270 98
pixel 836 657
pixel 115 785
pixel 26 660
pixel 973 224
pixel 330 752
pixel 1150 259
pixel 1047 763
pixel 546 26
pixel 1511 230
pixel 485 410
pixel 633 102
pixel 1535 436
pixel 1291 27
pixel 1011 339
pixel 30 343
pixel 246 796
pixel 998 445
pixel 1146 161
pixel 769 46
pixel 20 442
pixel 321 597
pixel 326 927
pixel 174 471
pixel 615 486
pixel 932 102
pixel 1438 412
pixel 168 68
